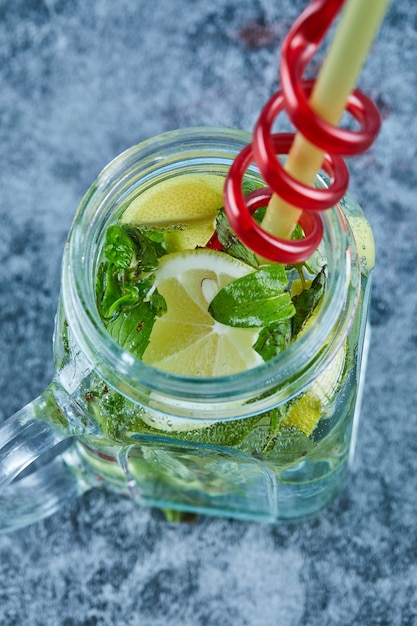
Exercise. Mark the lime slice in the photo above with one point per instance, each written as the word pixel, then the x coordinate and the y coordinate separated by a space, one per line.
pixel 186 204
pixel 187 340
pixel 306 411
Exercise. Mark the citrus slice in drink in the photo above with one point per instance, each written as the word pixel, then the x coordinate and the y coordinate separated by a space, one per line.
pixel 187 340
pixel 186 205
pixel 316 403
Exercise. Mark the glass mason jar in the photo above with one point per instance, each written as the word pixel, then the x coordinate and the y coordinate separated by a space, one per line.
pixel 215 445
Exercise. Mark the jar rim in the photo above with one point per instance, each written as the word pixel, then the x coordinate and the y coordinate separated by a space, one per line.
pixel 235 395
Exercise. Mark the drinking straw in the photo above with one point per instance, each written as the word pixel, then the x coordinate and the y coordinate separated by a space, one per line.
pixel 337 77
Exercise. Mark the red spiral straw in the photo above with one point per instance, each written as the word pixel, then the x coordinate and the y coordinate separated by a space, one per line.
pixel 298 49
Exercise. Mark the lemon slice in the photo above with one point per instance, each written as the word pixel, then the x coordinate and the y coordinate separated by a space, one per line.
pixel 317 401
pixel 298 287
pixel 187 340
pixel 187 204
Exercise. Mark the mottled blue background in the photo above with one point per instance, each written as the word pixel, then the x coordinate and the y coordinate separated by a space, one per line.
pixel 79 82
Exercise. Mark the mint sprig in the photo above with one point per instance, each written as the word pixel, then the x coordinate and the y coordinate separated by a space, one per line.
pixel 126 298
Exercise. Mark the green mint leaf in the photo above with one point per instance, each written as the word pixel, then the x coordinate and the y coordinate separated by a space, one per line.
pixel 231 243
pixel 132 294
pixel 307 300
pixel 145 252
pixel 226 235
pixel 283 447
pixel 260 439
pixel 249 185
pixel 289 445
pixel 255 300
pixel 119 247
pixel 157 239
pixel 158 304
pixel 259 214
pixel 129 299
pixel 127 246
pixel 111 289
pixel 143 285
pixel 132 328
pixel 297 233
pixel 273 339
pixel 116 288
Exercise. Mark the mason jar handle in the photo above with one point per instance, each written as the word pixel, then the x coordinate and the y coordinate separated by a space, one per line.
pixel 34 434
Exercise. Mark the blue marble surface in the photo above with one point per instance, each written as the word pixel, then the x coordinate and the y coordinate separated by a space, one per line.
pixel 79 83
